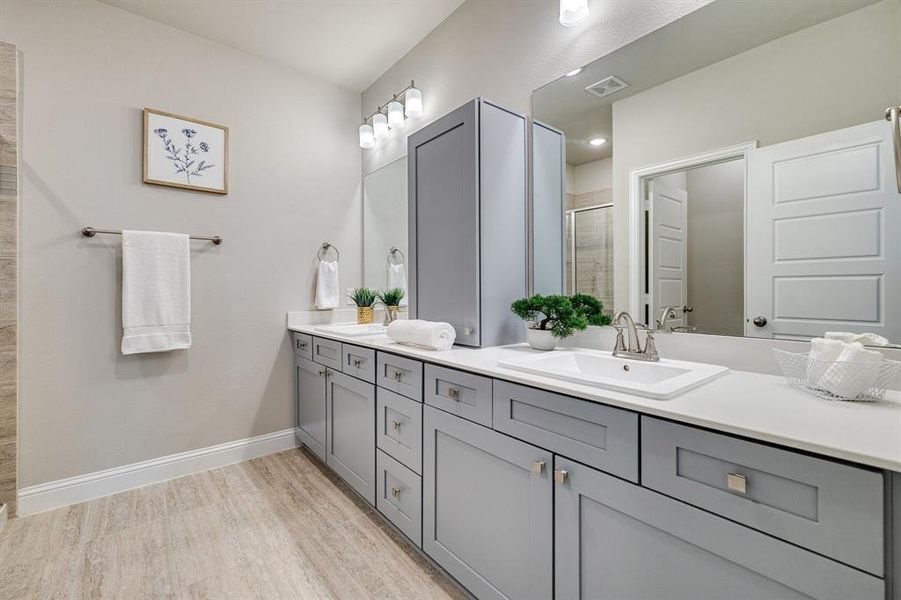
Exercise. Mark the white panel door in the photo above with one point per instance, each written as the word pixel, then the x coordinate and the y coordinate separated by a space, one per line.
pixel 668 249
pixel 823 220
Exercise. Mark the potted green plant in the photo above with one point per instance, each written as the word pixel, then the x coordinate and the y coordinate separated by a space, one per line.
pixel 364 298
pixel 550 318
pixel 391 299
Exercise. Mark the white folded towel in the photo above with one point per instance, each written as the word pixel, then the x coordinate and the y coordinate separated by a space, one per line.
pixel 426 334
pixel 156 292
pixel 824 352
pixel 397 278
pixel 327 293
pixel 850 381
pixel 867 339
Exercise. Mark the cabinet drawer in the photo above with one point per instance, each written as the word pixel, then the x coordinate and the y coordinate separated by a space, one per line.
pixel 401 375
pixel 399 428
pixel 359 362
pixel 591 433
pixel 399 496
pixel 463 394
pixel 303 345
pixel 327 352
pixel 829 507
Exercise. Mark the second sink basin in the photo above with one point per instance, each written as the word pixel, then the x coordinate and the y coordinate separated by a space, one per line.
pixel 353 329
pixel 661 380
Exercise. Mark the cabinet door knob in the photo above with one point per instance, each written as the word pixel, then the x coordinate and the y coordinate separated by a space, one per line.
pixel 453 393
pixel 537 467
pixel 357 362
pixel 321 372
pixel 737 482
pixel 560 476
pixel 395 492
pixel 395 425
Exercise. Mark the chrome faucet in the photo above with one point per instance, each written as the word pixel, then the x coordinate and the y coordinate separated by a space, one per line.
pixel 666 314
pixel 390 314
pixel 634 350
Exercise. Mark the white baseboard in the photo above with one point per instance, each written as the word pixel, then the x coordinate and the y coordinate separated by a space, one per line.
pixel 72 490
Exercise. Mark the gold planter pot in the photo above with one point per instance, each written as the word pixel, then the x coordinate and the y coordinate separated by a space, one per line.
pixel 365 315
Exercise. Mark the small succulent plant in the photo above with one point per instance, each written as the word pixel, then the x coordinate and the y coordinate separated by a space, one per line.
pixel 391 297
pixel 363 297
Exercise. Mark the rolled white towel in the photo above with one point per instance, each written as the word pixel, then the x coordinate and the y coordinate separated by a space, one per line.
pixel 850 381
pixel 867 339
pixel 426 334
pixel 824 352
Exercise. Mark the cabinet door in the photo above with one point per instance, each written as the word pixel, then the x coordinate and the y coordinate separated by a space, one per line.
pixel 444 222
pixel 487 508
pixel 620 541
pixel 350 449
pixel 309 391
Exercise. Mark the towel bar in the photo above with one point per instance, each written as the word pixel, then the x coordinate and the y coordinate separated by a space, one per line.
pixel 92 231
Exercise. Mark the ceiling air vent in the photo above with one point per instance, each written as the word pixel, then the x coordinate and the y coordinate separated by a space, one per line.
pixel 606 86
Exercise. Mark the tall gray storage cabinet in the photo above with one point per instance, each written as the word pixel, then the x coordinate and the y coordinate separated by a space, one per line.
pixel 467 209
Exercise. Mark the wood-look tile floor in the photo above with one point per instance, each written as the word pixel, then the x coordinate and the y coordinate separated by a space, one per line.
pixel 281 526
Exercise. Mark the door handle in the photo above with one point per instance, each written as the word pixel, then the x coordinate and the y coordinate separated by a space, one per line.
pixel 759 321
pixel 537 467
pixel 560 476
pixel 893 115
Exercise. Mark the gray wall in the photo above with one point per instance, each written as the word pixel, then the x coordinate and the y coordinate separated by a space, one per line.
pixel 87 70
pixel 503 50
pixel 772 93
pixel 716 200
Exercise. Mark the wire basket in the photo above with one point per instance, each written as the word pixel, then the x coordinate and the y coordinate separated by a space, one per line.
pixel 838 380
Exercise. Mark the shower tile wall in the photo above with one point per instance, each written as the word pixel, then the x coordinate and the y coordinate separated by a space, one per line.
pixel 594 246
pixel 8 283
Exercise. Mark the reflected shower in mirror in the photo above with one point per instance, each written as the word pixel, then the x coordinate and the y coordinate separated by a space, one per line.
pixel 733 173
pixel 385 227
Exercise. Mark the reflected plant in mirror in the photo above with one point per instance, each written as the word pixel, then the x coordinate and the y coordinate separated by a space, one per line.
pixel 746 182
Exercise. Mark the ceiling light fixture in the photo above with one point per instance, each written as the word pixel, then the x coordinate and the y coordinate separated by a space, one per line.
pixel 406 103
pixel 598 141
pixel 574 72
pixel 573 12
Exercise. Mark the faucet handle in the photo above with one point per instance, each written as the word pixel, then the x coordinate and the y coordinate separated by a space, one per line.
pixel 650 347
pixel 620 345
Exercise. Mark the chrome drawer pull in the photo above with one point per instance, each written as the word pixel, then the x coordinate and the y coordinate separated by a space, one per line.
pixel 321 372
pixel 737 482
pixel 395 425
pixel 301 345
pixel 560 476
pixel 397 375
pixel 395 492
pixel 453 393
pixel 537 467
pixel 357 362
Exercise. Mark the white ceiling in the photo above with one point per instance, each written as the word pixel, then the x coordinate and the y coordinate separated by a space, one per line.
pixel 347 42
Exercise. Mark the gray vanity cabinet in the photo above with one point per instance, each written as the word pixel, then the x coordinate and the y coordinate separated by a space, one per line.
pixel 467 229
pixel 309 379
pixel 350 439
pixel 487 508
pixel 617 540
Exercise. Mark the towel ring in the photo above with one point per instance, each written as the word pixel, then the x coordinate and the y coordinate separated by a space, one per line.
pixel 324 248
pixel 392 251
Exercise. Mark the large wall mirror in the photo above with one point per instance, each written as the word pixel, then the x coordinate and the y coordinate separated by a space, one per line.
pixel 737 167
pixel 385 227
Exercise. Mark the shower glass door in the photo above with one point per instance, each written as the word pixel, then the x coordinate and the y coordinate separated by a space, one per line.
pixel 589 252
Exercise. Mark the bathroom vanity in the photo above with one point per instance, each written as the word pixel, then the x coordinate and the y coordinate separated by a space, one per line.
pixel 526 486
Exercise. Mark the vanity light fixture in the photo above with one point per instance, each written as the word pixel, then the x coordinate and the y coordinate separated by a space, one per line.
pixel 407 103
pixel 573 12
pixel 395 114
pixel 598 141
pixel 574 72
pixel 367 137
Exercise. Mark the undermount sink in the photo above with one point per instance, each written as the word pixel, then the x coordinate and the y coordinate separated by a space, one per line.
pixel 660 380
pixel 353 329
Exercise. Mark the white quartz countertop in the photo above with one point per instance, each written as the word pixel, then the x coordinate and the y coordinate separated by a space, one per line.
pixel 757 406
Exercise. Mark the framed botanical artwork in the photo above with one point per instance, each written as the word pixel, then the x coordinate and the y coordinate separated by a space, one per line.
pixel 185 153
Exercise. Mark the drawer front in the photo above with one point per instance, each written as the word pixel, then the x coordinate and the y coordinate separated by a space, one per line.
pixel 401 375
pixel 358 362
pixel 399 428
pixel 399 496
pixel 599 436
pixel 463 394
pixel 303 345
pixel 327 352
pixel 829 507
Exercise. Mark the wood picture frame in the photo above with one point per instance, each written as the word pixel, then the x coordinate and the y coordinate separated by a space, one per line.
pixel 184 152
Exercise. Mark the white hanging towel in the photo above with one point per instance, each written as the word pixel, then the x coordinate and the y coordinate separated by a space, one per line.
pixel 156 292
pixel 397 278
pixel 327 285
